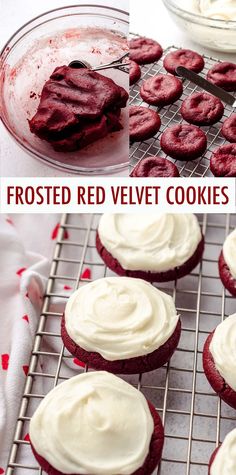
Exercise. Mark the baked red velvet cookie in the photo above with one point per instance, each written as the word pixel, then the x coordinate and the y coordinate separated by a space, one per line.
pixel 77 107
pixel 217 382
pixel 155 167
pixel 184 142
pixel 183 57
pixel 223 161
pixel 134 72
pixel 223 75
pixel 223 459
pixel 202 108
pixel 228 129
pixel 135 247
pixel 144 123
pixel 91 401
pixel 135 365
pixel 103 328
pixel 151 462
pixel 212 460
pixel 227 279
pixel 227 266
pixel 144 50
pixel 161 90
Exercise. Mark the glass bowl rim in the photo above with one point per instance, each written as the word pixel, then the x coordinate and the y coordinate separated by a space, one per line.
pixel 197 18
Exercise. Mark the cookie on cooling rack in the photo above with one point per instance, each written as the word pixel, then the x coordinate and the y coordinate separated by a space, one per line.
pixel 107 324
pixel 219 360
pixel 97 406
pixel 223 161
pixel 202 108
pixel 223 75
pixel 134 72
pixel 227 263
pixel 144 50
pixel 157 167
pixel 228 129
pixel 144 123
pixel 155 247
pixel 161 90
pixel 184 142
pixel 183 57
pixel 223 459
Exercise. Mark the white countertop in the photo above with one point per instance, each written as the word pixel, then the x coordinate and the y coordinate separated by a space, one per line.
pixel 148 18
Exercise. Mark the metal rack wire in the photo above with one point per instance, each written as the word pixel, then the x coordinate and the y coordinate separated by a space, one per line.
pixel 170 115
pixel 194 418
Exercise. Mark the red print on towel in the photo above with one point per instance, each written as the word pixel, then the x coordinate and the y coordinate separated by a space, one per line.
pixel 5 361
pixel 25 369
pixel 56 231
pixel 9 221
pixel 26 318
pixel 67 287
pixel 86 274
pixel 20 271
pixel 2 471
pixel 26 438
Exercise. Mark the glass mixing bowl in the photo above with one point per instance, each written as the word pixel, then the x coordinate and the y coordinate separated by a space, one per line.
pixel 219 35
pixel 94 33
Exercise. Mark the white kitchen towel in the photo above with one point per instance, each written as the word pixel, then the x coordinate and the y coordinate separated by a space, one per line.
pixel 26 246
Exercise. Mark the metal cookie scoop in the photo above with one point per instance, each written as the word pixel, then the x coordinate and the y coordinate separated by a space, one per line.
pixel 117 63
pixel 207 85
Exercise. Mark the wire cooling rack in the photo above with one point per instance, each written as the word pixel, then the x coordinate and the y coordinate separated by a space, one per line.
pixel 170 115
pixel 195 420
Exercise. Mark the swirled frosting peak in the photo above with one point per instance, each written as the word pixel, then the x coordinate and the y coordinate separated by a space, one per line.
pixel 229 252
pixel 150 242
pixel 225 460
pixel 223 350
pixel 120 317
pixel 94 423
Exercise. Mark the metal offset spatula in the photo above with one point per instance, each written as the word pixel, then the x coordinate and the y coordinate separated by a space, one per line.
pixel 207 85
pixel 117 63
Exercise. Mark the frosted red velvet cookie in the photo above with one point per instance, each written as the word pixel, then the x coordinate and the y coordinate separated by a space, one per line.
pixel 183 57
pixel 223 459
pixel 184 142
pixel 161 90
pixel 155 167
pixel 77 107
pixel 154 247
pixel 202 108
pixel 134 72
pixel 144 50
pixel 219 360
pixel 144 123
pixel 229 128
pixel 223 161
pixel 107 325
pixel 96 424
pixel 223 75
pixel 227 263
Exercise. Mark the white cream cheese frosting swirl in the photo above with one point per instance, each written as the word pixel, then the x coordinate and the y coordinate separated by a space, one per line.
pixel 215 9
pixel 229 252
pixel 223 350
pixel 94 423
pixel 225 460
pixel 150 242
pixel 120 317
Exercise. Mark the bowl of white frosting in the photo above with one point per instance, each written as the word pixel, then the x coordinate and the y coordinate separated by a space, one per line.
pixel 212 23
